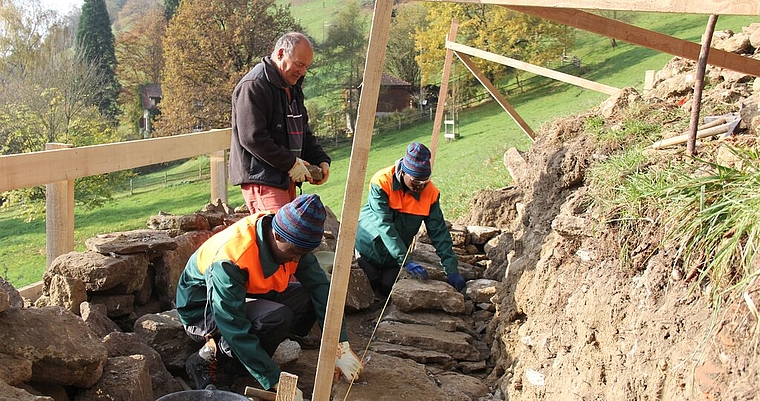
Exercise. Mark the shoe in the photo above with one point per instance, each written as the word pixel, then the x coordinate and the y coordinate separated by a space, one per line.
pixel 201 371
pixel 310 341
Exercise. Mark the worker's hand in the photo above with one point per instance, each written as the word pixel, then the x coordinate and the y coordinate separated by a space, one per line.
pixel 297 397
pixel 347 363
pixel 416 271
pixel 299 172
pixel 325 166
pixel 456 280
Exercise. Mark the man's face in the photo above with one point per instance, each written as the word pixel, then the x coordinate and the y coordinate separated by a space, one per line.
pixel 284 251
pixel 293 67
pixel 415 185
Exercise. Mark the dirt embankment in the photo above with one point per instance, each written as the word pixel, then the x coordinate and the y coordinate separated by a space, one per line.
pixel 589 311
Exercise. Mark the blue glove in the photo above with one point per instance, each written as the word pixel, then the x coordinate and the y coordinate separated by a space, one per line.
pixel 456 280
pixel 416 270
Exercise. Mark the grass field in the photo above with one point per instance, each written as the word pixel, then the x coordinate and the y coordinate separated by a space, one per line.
pixel 462 167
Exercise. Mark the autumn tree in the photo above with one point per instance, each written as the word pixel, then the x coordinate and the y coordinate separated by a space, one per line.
pixel 44 97
pixel 493 29
pixel 208 47
pixel 170 7
pixel 400 59
pixel 139 52
pixel 345 48
pixel 95 46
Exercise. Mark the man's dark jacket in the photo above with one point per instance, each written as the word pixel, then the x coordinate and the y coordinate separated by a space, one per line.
pixel 259 150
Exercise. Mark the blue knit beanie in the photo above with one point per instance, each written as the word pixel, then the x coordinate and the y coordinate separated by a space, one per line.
pixel 416 161
pixel 301 222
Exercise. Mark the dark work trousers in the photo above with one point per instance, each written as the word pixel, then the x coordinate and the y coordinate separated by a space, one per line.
pixel 274 316
pixel 381 278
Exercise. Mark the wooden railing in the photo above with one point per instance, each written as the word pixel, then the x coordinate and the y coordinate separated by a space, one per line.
pixel 58 166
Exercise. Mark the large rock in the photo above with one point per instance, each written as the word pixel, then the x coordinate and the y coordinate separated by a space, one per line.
pixel 128 242
pixel 456 344
pixel 125 378
pixel 165 333
pixel 60 346
pixel 387 378
pixel 409 295
pixel 126 344
pixel 100 272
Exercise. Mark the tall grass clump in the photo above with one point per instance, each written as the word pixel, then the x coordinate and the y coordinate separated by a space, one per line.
pixel 710 213
pixel 716 222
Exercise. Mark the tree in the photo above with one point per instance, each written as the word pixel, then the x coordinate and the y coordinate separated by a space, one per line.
pixel 345 47
pixel 45 97
pixel 400 59
pixel 170 7
pixel 139 52
pixel 494 29
pixel 207 49
pixel 95 45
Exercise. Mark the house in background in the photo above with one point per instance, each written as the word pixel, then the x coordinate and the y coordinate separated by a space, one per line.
pixel 150 97
pixel 395 95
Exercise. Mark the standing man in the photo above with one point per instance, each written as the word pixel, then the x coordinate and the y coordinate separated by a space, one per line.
pixel 400 198
pixel 272 143
pixel 236 294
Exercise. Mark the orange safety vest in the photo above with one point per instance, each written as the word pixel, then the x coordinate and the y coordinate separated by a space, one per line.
pixel 403 201
pixel 237 244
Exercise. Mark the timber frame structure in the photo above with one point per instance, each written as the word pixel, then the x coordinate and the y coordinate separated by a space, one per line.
pixel 566 12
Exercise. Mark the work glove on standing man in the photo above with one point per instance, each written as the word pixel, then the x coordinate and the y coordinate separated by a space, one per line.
pixel 299 172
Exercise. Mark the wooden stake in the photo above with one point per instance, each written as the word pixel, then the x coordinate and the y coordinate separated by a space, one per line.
pixel 443 92
pixel 699 84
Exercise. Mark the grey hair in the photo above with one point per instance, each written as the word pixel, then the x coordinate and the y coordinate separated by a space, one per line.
pixel 288 42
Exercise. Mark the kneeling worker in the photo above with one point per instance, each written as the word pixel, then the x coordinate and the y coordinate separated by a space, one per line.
pixel 400 198
pixel 236 293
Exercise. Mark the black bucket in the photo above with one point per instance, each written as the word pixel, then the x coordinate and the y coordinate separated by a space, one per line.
pixel 203 395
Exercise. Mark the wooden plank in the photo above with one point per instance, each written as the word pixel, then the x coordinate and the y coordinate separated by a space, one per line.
pixel 357 169
pixel 443 92
pixel 643 37
pixel 59 214
pixel 39 168
pixel 722 7
pixel 497 95
pixel 560 76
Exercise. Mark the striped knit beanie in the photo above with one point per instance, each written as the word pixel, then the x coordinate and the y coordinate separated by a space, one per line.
pixel 416 161
pixel 301 222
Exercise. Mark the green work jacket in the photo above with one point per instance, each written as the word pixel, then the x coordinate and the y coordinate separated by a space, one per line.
pixel 384 234
pixel 221 290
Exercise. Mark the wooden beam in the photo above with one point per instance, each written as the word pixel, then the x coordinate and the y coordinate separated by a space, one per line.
pixel 357 169
pixel 560 76
pixel 39 168
pixel 723 7
pixel 443 92
pixel 496 95
pixel 643 37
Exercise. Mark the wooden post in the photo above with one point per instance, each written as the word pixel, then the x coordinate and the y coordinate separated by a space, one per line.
pixel 59 214
pixel 357 169
pixel 696 103
pixel 218 171
pixel 440 108
pixel 287 387
pixel 648 80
